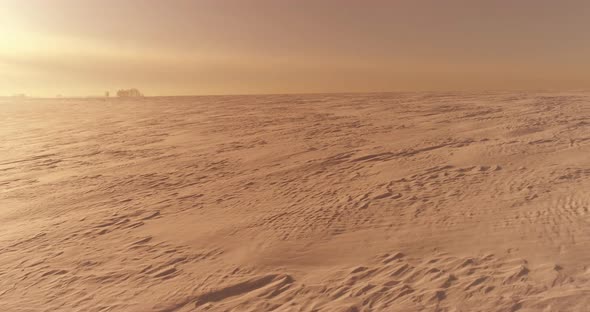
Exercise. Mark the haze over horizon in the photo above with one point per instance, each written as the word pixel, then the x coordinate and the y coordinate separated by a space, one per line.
pixel 79 48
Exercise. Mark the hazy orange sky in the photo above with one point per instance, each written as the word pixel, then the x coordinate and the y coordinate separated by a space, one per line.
pixel 85 47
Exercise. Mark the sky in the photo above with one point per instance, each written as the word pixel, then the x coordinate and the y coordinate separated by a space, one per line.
pixel 182 47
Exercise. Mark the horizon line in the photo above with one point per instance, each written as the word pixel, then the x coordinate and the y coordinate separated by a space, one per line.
pixel 24 96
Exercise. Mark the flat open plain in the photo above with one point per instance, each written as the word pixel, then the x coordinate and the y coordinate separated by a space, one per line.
pixel 351 202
